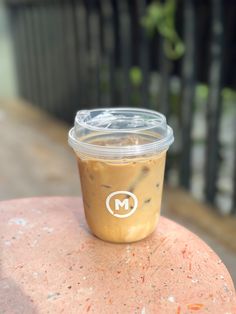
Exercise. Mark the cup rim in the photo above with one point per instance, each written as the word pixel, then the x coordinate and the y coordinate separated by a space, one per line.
pixel 81 114
pixel 86 148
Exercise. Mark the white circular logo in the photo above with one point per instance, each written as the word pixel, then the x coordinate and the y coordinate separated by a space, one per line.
pixel 123 207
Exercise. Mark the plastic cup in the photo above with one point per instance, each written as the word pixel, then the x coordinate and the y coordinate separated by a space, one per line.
pixel 121 155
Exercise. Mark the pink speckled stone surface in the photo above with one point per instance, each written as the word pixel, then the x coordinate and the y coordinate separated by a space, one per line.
pixel 50 263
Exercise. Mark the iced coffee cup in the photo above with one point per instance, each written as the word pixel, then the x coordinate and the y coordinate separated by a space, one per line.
pixel 121 155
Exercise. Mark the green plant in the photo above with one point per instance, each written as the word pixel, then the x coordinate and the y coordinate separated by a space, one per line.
pixel 135 75
pixel 160 17
pixel 229 99
pixel 202 91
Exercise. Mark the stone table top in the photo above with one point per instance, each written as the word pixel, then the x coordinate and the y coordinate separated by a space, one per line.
pixel 51 263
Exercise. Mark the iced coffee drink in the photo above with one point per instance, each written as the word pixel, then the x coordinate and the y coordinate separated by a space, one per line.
pixel 121 157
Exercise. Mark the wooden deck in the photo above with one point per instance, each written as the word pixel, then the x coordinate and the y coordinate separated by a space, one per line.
pixel 36 160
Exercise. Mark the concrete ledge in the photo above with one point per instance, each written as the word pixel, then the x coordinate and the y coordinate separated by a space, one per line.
pixel 51 263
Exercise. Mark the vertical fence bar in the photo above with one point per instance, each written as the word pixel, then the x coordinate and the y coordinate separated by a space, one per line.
pixel 233 211
pixel 25 42
pixel 76 60
pixel 164 86
pixel 60 99
pixel 33 54
pixel 125 50
pixel 144 55
pixel 70 59
pixel 38 29
pixel 188 92
pixel 37 46
pixel 214 102
pixel 26 53
pixel 61 42
pixel 101 33
pixel 16 28
pixel 109 47
pixel 45 51
pixel 87 30
pixel 49 49
pixel 95 54
pixel 81 53
pixel 52 58
pixel 64 41
pixel 117 100
pixel 165 70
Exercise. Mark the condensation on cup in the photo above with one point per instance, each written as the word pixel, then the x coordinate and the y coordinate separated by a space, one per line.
pixel 121 155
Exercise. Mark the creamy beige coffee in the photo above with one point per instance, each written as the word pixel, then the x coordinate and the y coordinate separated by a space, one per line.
pixel 121 175
pixel 142 177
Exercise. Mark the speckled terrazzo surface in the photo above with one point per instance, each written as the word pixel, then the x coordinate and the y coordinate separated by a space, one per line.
pixel 50 263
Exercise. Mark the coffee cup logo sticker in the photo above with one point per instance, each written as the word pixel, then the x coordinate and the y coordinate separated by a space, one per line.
pixel 119 206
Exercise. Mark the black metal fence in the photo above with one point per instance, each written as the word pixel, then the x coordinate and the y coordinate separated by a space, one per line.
pixel 85 53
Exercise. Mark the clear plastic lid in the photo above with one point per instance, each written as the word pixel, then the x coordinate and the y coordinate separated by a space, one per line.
pixel 120 133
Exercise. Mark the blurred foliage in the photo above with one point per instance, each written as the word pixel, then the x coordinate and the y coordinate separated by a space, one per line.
pixel 136 76
pixel 160 17
pixel 202 91
pixel 229 94
pixel 229 99
pixel 136 79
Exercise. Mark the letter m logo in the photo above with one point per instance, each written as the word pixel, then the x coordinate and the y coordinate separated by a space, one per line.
pixel 119 203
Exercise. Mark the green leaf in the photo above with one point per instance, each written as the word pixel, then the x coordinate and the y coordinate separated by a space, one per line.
pixel 160 17
pixel 136 77
pixel 202 91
